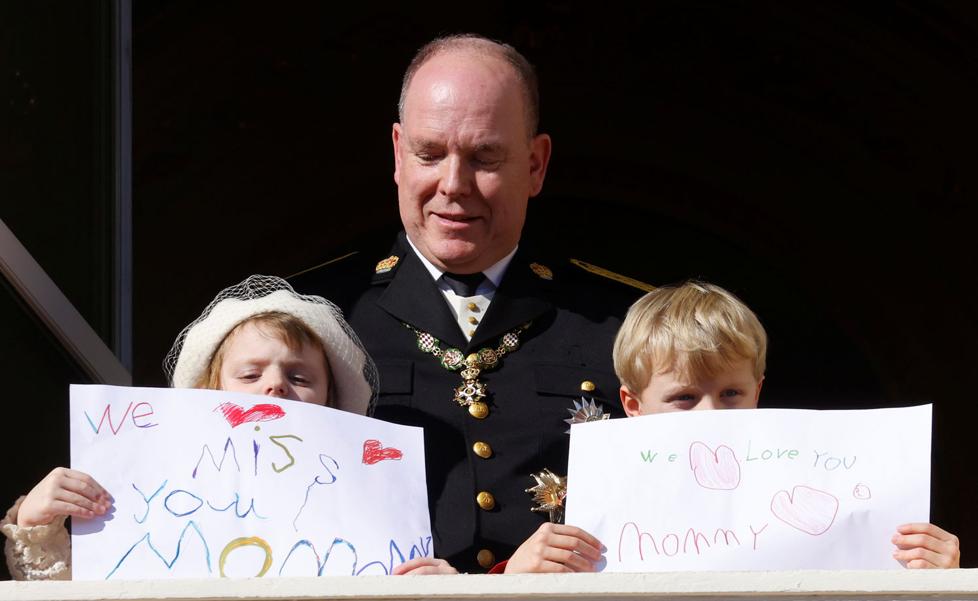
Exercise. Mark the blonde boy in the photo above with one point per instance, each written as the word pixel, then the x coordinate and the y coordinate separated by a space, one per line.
pixel 697 346
pixel 689 347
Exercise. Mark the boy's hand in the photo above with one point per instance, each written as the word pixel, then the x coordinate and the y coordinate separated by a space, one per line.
pixel 556 548
pixel 422 566
pixel 63 492
pixel 922 545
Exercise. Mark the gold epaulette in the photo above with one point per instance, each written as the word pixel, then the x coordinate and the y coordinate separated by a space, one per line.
pixel 611 275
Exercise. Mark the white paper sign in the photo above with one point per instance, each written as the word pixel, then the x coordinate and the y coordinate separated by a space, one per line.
pixel 764 489
pixel 212 483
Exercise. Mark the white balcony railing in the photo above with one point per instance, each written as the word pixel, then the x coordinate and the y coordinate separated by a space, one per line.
pixel 795 585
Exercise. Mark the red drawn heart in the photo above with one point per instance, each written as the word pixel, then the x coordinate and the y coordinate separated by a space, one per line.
pixel 373 452
pixel 236 415
pixel 808 509
pixel 717 470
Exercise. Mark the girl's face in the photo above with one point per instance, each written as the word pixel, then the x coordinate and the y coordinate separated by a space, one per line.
pixel 259 363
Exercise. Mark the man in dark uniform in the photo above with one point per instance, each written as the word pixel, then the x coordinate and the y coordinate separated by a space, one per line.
pixel 486 345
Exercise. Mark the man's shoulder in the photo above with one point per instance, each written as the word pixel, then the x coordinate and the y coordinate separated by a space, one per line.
pixel 577 272
pixel 570 283
pixel 575 284
pixel 349 272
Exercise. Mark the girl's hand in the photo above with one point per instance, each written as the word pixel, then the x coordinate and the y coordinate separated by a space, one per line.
pixel 63 492
pixel 423 565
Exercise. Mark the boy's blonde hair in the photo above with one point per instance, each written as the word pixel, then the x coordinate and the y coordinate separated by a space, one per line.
pixel 695 328
pixel 285 327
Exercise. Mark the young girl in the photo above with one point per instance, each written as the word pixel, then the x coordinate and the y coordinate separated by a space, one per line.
pixel 258 337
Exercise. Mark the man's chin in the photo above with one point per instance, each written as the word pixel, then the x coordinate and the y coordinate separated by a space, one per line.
pixel 457 256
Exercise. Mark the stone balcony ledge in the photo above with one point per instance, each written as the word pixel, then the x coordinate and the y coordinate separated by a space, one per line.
pixel 788 585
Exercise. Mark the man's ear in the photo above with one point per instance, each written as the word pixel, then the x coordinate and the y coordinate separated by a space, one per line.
pixel 539 159
pixel 396 139
pixel 757 396
pixel 630 402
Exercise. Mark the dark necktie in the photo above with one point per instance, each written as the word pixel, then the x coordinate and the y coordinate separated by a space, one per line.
pixel 463 284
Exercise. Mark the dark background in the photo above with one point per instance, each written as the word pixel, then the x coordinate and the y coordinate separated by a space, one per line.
pixel 56 195
pixel 818 159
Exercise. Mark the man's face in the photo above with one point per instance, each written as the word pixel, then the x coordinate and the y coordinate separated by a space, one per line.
pixel 464 162
pixel 732 388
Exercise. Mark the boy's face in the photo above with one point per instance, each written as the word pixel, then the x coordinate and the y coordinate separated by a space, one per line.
pixel 257 362
pixel 732 388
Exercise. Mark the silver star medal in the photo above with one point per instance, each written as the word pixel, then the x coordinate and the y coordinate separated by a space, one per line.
pixel 585 411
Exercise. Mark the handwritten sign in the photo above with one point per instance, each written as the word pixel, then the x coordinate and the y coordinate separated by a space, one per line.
pixel 211 483
pixel 762 489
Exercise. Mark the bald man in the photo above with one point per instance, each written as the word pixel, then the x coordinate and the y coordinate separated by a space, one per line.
pixel 479 339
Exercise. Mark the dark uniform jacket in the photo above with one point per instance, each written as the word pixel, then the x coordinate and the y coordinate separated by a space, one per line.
pixel 574 316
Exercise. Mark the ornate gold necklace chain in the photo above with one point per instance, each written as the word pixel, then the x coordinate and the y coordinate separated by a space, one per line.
pixel 471 392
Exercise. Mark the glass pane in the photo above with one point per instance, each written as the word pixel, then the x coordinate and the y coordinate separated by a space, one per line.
pixel 56 157
pixel 36 379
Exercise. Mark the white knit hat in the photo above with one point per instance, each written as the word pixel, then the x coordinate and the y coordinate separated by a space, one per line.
pixel 354 374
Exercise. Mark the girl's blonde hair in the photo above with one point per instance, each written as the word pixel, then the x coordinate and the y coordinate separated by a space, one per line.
pixel 283 326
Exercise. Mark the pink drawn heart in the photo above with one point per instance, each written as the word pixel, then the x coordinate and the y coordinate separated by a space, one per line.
pixel 808 509
pixel 374 452
pixel 236 415
pixel 717 470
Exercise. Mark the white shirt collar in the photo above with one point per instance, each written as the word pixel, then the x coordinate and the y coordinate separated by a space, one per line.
pixel 494 273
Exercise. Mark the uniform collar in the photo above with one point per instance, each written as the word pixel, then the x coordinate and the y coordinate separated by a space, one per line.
pixel 412 296
pixel 494 273
pixel 521 297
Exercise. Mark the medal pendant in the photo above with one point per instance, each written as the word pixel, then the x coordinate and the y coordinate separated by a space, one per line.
pixel 469 392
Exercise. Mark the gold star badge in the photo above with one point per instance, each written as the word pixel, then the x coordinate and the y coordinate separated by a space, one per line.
pixel 543 272
pixel 387 264
pixel 549 494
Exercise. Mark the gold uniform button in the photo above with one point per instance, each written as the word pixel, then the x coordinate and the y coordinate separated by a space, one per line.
pixel 473 320
pixel 471 333
pixel 588 386
pixel 482 449
pixel 486 558
pixel 474 308
pixel 479 410
pixel 485 500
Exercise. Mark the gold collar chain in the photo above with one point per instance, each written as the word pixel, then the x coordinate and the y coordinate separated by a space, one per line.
pixel 471 391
